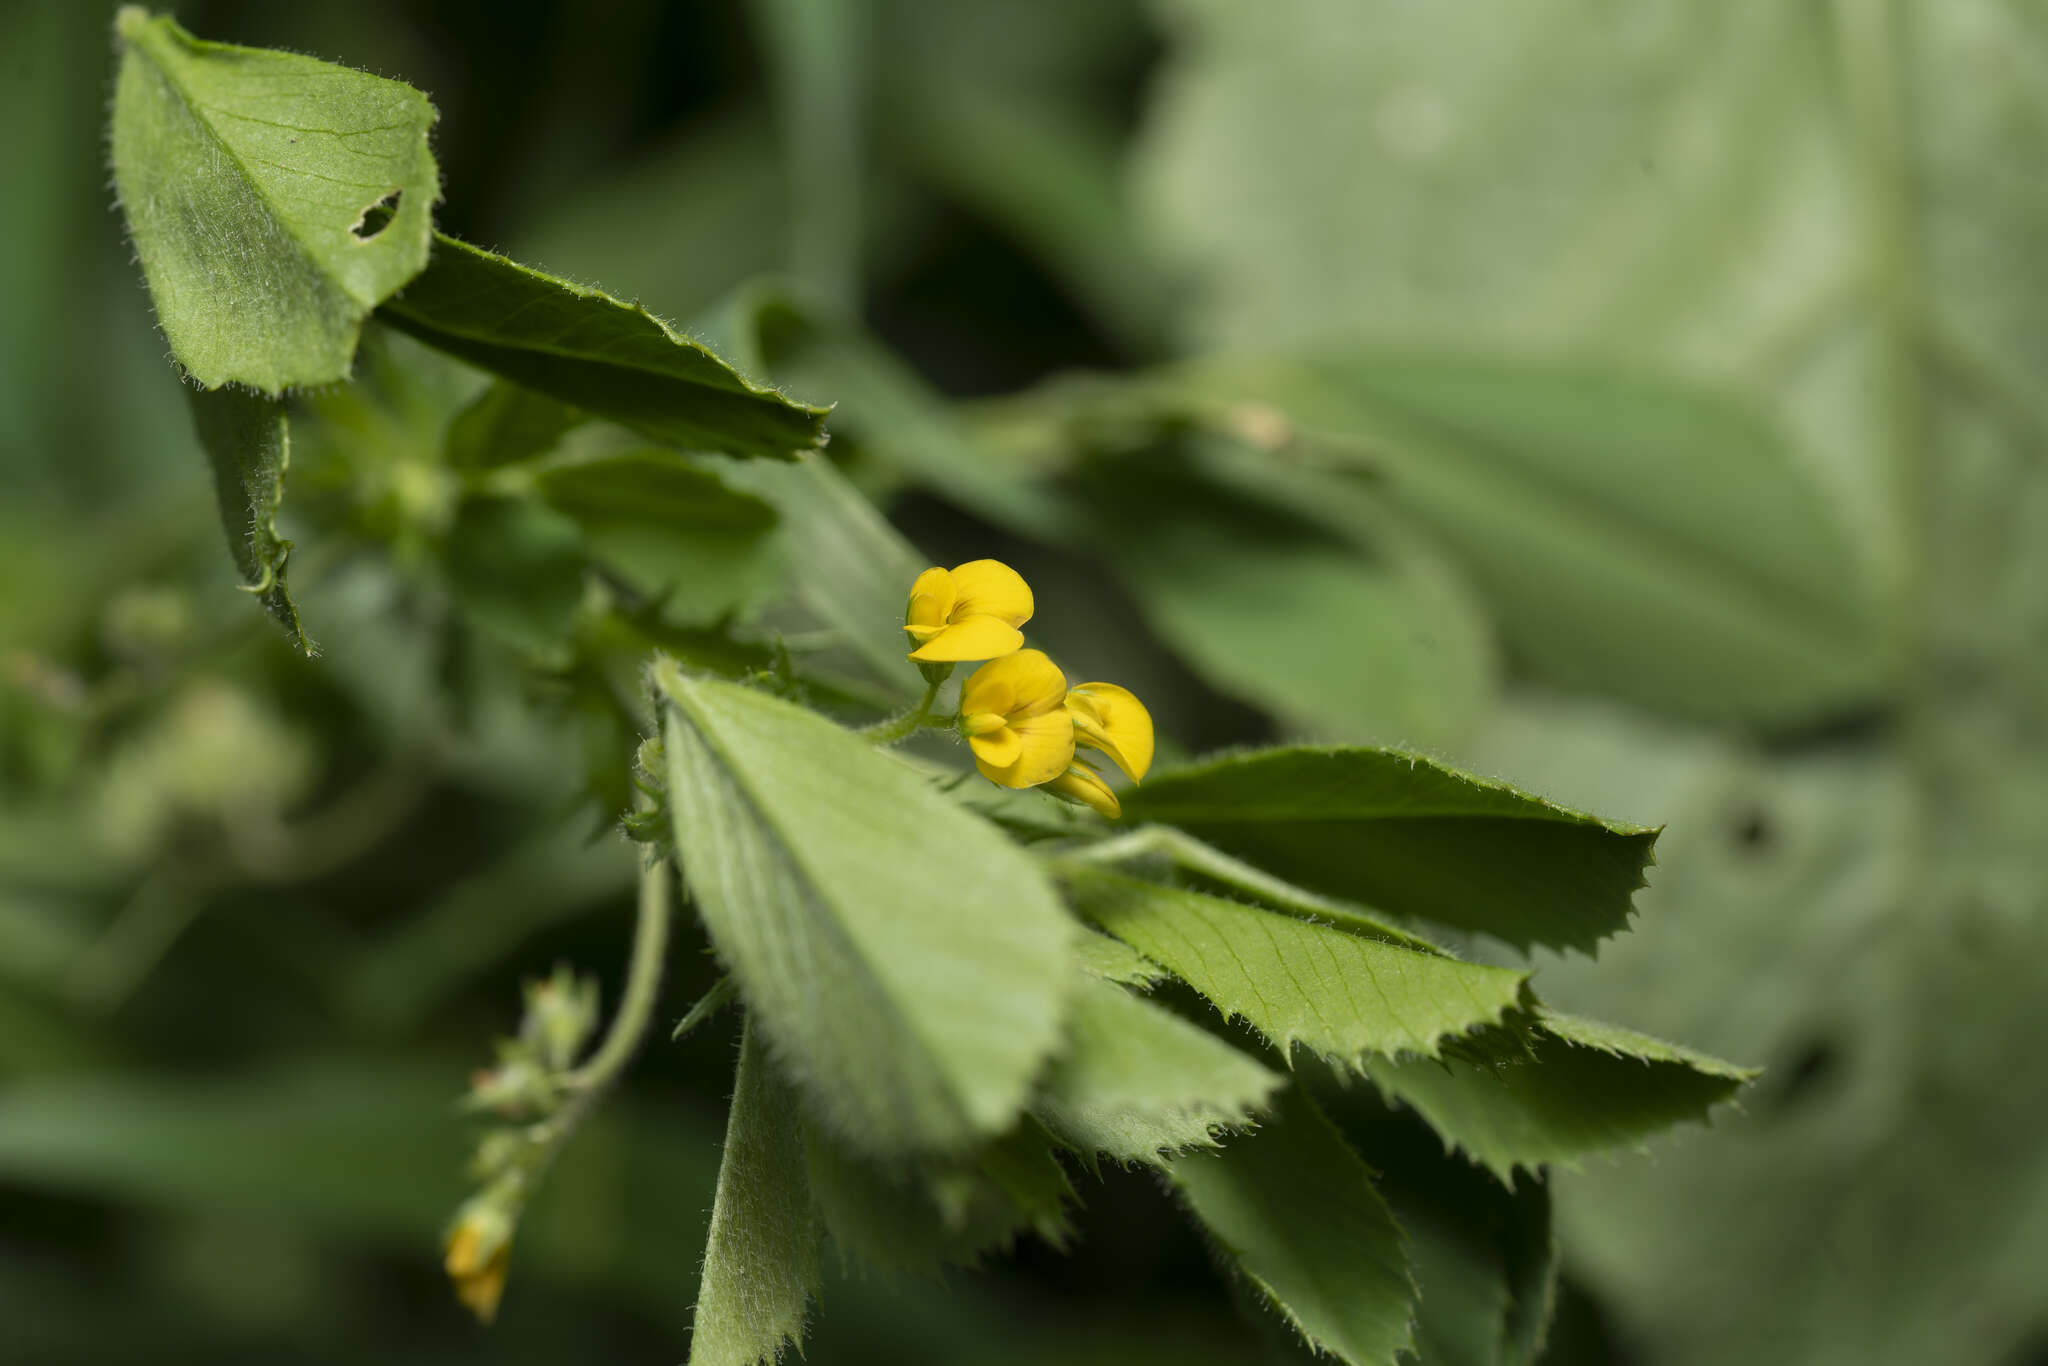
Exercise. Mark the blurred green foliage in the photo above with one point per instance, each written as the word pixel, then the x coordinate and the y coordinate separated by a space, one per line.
pixel 1628 399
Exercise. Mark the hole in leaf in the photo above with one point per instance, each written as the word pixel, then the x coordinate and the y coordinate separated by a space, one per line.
pixel 377 217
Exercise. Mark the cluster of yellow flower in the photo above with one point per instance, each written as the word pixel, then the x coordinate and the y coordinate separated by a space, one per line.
pixel 1019 716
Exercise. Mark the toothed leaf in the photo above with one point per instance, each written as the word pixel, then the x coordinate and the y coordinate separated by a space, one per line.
pixel 584 348
pixel 1403 833
pixel 1343 995
pixel 1294 1209
pixel 1580 1087
pixel 1137 1081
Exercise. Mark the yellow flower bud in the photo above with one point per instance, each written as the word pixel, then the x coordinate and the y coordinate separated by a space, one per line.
pixel 1081 783
pixel 479 1247
pixel 971 611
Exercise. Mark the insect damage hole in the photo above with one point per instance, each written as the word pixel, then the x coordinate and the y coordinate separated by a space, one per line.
pixel 375 218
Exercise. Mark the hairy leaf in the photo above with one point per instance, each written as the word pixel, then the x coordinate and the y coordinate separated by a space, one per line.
pixel 917 1216
pixel 761 1263
pixel 1136 1081
pixel 1340 994
pixel 1581 1087
pixel 246 177
pixel 1115 961
pixel 1293 1208
pixel 587 349
pixel 1403 833
pixel 908 963
pixel 248 441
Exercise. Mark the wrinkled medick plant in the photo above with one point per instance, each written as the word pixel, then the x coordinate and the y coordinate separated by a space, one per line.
pixel 943 988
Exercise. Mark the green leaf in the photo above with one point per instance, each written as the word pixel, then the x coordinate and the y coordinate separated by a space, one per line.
pixel 1112 960
pixel 907 963
pixel 1484 1254
pixel 248 441
pixel 1598 509
pixel 1582 1087
pixel 1136 1081
pixel 920 1215
pixel 761 1263
pixel 673 529
pixel 587 349
pixel 1378 639
pixel 1405 834
pixel 506 424
pixel 1294 1209
pixel 1342 995
pixel 246 176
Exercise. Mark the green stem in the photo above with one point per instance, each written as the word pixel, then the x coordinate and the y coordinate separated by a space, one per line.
pixel 898 727
pixel 643 983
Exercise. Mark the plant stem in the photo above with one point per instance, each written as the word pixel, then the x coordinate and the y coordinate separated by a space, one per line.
pixel 897 727
pixel 643 982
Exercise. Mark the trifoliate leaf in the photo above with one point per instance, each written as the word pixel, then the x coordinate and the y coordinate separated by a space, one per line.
pixel 246 177
pixel 1403 833
pixel 1340 994
pixel 908 964
pixel 248 442
pixel 1581 1087
pixel 761 1262
pixel 587 349
pixel 919 1215
pixel 1293 1208
pixel 1136 1081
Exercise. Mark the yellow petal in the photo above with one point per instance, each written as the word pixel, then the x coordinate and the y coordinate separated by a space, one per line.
pixel 997 748
pixel 993 589
pixel 1047 747
pixel 1080 784
pixel 1020 685
pixel 971 638
pixel 1114 721
pixel 931 601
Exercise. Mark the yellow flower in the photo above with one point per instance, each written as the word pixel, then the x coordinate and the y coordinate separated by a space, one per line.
pixel 1081 783
pixel 478 1248
pixel 1110 719
pixel 971 611
pixel 1012 710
